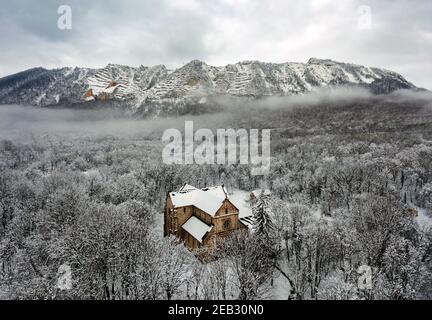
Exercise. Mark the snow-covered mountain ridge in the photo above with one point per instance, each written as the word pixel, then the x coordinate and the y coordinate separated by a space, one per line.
pixel 149 87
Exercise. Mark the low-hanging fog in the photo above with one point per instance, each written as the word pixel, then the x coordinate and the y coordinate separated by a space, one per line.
pixel 22 122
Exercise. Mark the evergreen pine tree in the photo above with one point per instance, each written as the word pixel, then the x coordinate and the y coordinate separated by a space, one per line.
pixel 263 225
pixel 264 235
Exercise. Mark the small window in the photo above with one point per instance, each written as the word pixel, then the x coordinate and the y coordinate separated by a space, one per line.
pixel 226 211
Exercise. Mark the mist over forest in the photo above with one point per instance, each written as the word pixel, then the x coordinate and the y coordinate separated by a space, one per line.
pixel 350 182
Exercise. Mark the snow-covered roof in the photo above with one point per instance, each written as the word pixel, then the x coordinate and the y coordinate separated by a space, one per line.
pixel 248 221
pixel 257 193
pixel 241 199
pixel 187 187
pixel 208 199
pixel 196 228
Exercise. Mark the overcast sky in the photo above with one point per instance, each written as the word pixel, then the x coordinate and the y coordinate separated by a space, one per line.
pixel 398 37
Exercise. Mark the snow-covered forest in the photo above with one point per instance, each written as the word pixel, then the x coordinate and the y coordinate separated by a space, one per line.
pixel 350 181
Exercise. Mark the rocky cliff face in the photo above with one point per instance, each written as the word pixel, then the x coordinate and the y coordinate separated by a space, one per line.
pixel 144 88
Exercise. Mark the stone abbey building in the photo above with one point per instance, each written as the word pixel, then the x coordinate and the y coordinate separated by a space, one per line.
pixel 200 216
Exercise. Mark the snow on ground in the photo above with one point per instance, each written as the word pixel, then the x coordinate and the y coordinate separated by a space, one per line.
pixel 158 220
pixel 238 198
pixel 208 199
pixel 424 219
pixel 280 288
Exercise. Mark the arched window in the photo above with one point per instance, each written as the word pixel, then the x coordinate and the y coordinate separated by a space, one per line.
pixel 226 224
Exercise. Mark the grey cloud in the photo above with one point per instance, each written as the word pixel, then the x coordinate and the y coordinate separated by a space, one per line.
pixel 219 32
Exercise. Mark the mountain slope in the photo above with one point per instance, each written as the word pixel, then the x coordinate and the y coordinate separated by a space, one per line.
pixel 144 88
